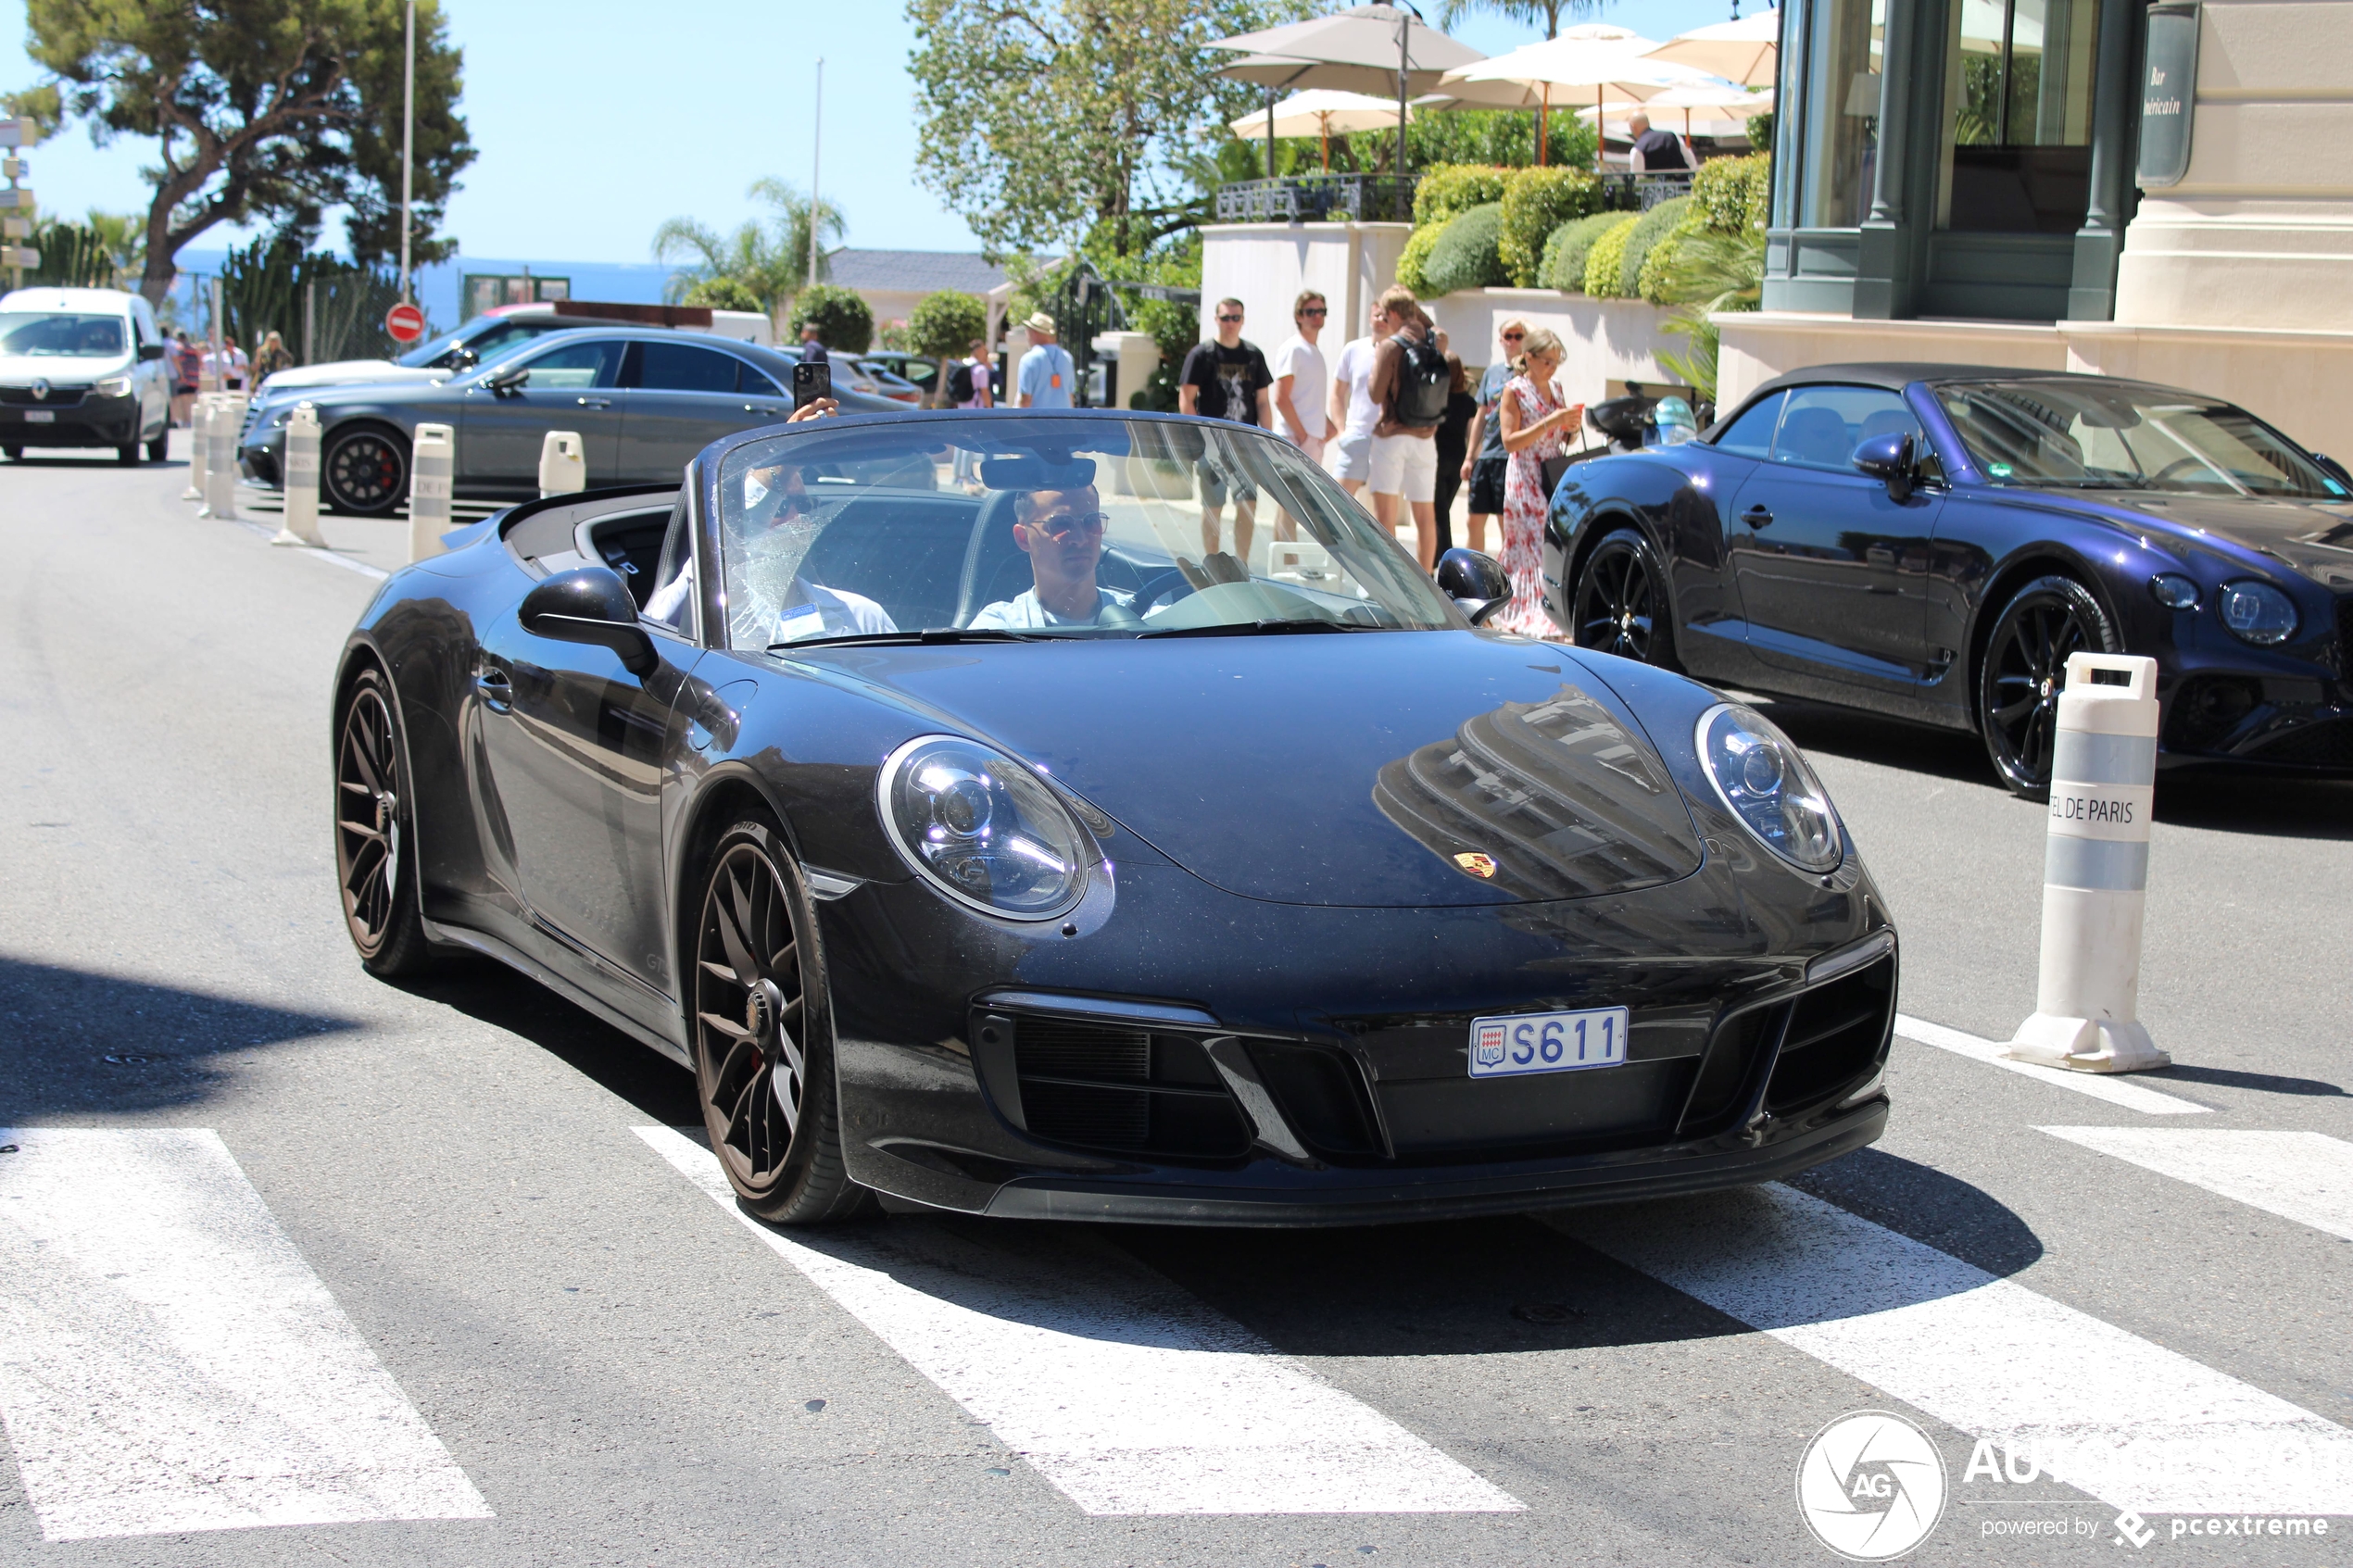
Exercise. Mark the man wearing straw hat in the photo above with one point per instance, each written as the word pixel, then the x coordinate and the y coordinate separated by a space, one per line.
pixel 1046 372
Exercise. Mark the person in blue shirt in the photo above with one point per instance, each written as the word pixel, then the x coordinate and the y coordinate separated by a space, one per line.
pixel 1046 373
pixel 1061 532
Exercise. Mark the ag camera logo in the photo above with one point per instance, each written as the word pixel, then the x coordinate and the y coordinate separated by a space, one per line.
pixel 1872 1485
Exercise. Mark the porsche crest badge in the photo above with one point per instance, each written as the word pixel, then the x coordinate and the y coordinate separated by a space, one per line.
pixel 1481 866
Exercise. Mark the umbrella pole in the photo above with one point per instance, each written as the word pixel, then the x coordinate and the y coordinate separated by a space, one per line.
pixel 1401 57
pixel 1270 133
pixel 1601 132
pixel 1543 113
pixel 1323 128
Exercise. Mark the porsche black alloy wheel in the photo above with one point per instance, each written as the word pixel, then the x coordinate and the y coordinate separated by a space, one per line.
pixel 2025 669
pixel 374 852
pixel 763 1056
pixel 366 472
pixel 1621 602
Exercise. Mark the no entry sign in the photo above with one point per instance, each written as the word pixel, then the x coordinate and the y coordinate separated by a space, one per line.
pixel 405 322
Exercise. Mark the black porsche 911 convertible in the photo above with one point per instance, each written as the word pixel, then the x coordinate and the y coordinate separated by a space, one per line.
pixel 978 837
pixel 1933 541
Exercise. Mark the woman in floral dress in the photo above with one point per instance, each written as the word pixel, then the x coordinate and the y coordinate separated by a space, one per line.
pixel 1535 427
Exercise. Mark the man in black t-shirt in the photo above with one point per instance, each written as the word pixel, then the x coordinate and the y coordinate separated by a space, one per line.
pixel 1226 378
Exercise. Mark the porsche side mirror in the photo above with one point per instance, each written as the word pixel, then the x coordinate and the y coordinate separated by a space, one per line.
pixel 1476 582
pixel 590 604
pixel 150 351
pixel 1889 459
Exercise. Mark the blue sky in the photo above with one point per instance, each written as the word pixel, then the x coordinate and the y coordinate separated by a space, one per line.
pixel 595 121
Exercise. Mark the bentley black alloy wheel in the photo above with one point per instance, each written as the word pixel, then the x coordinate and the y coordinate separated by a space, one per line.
pixel 2025 669
pixel 375 848
pixel 366 472
pixel 1621 602
pixel 764 1056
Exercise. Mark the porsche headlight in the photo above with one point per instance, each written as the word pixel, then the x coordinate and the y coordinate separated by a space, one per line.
pixel 1764 781
pixel 2257 612
pixel 984 827
pixel 113 387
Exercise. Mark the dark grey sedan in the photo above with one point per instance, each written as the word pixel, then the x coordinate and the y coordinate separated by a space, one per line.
pixel 642 401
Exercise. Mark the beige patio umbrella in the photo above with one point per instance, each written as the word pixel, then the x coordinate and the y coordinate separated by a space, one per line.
pixel 1319 112
pixel 1606 61
pixel 1372 48
pixel 1709 101
pixel 1746 51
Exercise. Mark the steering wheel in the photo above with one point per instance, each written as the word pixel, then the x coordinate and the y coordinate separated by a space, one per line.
pixel 1148 594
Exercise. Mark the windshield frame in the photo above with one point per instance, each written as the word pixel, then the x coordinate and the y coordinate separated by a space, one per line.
pixel 706 478
pixel 2323 487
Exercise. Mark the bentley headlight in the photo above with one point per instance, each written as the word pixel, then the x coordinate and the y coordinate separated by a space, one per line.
pixel 113 387
pixel 984 827
pixel 2257 612
pixel 1764 781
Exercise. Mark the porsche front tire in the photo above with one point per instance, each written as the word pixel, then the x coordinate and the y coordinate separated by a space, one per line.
pixel 763 1034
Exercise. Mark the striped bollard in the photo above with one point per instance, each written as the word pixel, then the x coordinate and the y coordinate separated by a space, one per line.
pixel 563 463
pixel 198 412
pixel 433 463
pixel 221 455
pixel 2095 867
pixel 301 524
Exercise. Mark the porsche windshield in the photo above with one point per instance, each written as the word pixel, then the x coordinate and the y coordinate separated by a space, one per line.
pixel 2102 436
pixel 1007 525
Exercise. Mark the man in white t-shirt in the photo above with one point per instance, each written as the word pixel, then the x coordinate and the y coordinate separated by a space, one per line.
pixel 1302 380
pixel 1061 532
pixel 1351 412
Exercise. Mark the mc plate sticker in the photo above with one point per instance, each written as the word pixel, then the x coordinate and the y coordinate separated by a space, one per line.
pixel 1547 1042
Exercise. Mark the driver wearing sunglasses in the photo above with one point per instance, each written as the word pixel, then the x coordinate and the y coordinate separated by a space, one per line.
pixel 1061 532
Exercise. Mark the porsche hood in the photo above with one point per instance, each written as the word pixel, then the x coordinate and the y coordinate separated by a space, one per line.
pixel 1399 769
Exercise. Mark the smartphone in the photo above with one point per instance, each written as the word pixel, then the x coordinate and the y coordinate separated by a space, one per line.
pixel 811 383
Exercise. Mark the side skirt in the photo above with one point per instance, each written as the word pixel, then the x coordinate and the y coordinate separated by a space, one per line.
pixel 522 963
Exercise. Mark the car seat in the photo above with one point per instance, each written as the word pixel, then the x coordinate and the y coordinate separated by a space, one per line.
pixel 1814 437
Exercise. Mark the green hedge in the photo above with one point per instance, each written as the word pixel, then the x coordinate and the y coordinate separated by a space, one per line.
pixel 1732 194
pixel 1418 244
pixel 1466 256
pixel 1606 261
pixel 1536 202
pixel 1449 190
pixel 1655 225
pixel 1565 252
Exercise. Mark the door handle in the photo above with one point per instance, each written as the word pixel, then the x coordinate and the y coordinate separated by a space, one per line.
pixel 498 692
pixel 595 402
pixel 763 408
pixel 1757 516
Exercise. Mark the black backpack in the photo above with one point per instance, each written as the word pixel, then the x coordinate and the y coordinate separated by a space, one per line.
pixel 960 384
pixel 1424 381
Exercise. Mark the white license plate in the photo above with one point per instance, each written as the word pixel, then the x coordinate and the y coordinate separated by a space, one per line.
pixel 1547 1042
pixel 40 416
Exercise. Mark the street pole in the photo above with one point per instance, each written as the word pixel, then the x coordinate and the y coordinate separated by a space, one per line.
pixel 816 147
pixel 408 147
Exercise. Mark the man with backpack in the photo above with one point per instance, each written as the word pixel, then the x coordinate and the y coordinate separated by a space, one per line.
pixel 968 378
pixel 1410 384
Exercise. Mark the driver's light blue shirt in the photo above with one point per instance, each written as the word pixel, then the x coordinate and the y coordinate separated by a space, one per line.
pixel 1026 614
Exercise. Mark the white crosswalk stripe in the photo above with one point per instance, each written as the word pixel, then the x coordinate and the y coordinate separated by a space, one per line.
pixel 2115 1090
pixel 169 1361
pixel 1129 1396
pixel 2133 1423
pixel 2306 1177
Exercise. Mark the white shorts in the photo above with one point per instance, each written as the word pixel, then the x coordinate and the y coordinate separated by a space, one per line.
pixel 1405 465
pixel 1349 456
pixel 1312 445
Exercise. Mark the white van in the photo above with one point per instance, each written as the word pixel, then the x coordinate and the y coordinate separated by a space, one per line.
pixel 83 368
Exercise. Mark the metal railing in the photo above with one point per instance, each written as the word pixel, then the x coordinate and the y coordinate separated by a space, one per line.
pixel 1640 193
pixel 1318 198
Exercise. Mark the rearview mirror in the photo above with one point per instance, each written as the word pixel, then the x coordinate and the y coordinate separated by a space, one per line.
pixel 591 603
pixel 150 351
pixel 1476 582
pixel 1890 460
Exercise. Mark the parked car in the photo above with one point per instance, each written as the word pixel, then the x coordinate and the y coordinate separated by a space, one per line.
pixel 1000 850
pixel 1932 541
pixel 83 368
pixel 918 370
pixel 501 328
pixel 644 401
pixel 860 375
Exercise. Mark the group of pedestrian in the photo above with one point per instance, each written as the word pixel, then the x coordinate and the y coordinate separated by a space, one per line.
pixel 1395 414
pixel 224 364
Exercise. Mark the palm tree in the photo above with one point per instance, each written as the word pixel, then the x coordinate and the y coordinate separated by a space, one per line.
pixel 770 261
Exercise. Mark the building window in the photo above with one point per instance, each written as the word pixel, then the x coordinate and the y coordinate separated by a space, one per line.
pixel 2017 119
pixel 1837 138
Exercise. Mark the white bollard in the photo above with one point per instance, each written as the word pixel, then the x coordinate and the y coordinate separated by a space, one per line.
pixel 2095 867
pixel 563 463
pixel 433 463
pixel 220 458
pixel 198 412
pixel 301 524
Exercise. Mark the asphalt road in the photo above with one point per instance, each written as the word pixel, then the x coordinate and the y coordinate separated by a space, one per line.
pixel 562 1349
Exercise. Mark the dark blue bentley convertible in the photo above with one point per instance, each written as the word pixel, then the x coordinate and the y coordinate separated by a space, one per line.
pixel 1933 541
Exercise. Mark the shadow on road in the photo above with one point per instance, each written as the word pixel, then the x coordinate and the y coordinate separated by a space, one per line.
pixel 2261 1083
pixel 78 1042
